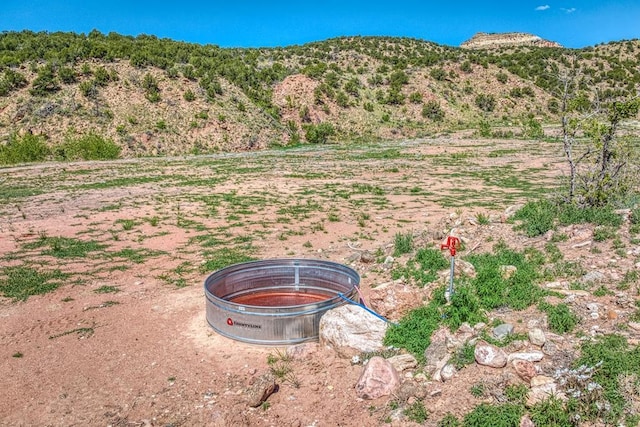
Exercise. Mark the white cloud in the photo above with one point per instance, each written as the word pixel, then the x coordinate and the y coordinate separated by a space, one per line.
pixel 570 10
pixel 544 7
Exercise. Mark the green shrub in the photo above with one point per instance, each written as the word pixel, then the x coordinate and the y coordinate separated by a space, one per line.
pixel 537 217
pixel 423 267
pixel 416 412
pixel 505 415
pixel 25 149
pixel 414 331
pixel 88 147
pixel 319 134
pixel 465 306
pixel 189 95
pixel 433 111
pixel 561 319
pixel 614 360
pixel 485 102
pixel 550 412
pixel 403 244
pixel 448 420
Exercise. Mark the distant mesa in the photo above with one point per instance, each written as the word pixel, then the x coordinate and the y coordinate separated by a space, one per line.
pixel 496 40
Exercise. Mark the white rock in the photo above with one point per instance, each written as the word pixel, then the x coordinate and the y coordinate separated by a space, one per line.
pixel 448 372
pixel 537 337
pixel 350 330
pixel 531 356
pixel 490 355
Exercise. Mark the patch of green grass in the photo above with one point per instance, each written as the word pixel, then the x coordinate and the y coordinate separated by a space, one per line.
pixel 518 291
pixel 600 234
pixel 516 393
pixel 127 224
pixel 84 332
pixel 550 412
pixel 137 256
pixel 64 247
pixel 505 415
pixel 613 358
pixel 20 282
pixel 17 355
pixel 477 390
pixel 403 243
pixel 414 331
pixel 463 356
pixel 215 260
pixel 416 412
pixel 103 305
pixel 10 192
pixel 537 217
pixel 423 267
pixel 449 420
pixel 560 317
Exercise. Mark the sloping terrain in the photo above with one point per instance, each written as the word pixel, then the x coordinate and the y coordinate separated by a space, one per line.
pixel 157 97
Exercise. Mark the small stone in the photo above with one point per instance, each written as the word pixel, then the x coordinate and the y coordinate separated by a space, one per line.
pixel 502 331
pixel 555 285
pixel 367 257
pixel 612 314
pixel 489 355
pixel 525 369
pixel 531 356
pixel 537 337
pixel 378 378
pixel 581 244
pixel 263 387
pixel 435 393
pixel 592 306
pixel 507 271
pixel 549 348
pixel 635 326
pixel 525 421
pixel 402 362
pixel 447 372
pixel 540 380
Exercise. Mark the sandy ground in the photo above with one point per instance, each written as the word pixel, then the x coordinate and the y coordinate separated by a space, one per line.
pixel 145 355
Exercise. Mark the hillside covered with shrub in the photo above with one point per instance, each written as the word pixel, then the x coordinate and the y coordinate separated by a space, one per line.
pixel 63 93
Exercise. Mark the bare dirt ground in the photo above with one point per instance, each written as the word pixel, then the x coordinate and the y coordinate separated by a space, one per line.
pixel 123 339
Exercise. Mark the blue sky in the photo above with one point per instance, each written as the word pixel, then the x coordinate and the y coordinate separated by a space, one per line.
pixel 573 23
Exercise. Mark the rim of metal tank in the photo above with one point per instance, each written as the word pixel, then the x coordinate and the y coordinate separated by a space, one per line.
pixel 277 324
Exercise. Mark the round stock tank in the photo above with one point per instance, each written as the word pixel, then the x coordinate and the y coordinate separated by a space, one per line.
pixel 277 301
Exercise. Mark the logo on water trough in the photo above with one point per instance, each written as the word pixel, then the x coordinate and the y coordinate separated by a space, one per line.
pixel 230 322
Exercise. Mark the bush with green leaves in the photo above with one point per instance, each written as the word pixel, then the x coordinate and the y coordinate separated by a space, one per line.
pixel 320 133
pixel 532 128
pixel 540 216
pixel 559 317
pixel 46 82
pixel 433 111
pixel 485 102
pixel 403 244
pixel 24 149
pixel 88 147
pixel 423 268
pixel 11 80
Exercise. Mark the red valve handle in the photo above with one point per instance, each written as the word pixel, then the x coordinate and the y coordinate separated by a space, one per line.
pixel 453 243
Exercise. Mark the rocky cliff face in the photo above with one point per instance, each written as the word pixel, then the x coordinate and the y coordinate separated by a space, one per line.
pixel 495 40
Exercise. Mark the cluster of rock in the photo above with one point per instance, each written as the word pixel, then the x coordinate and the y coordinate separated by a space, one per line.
pixel 538 358
pixel 496 40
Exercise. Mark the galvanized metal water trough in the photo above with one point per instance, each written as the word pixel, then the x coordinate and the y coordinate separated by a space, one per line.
pixel 276 301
